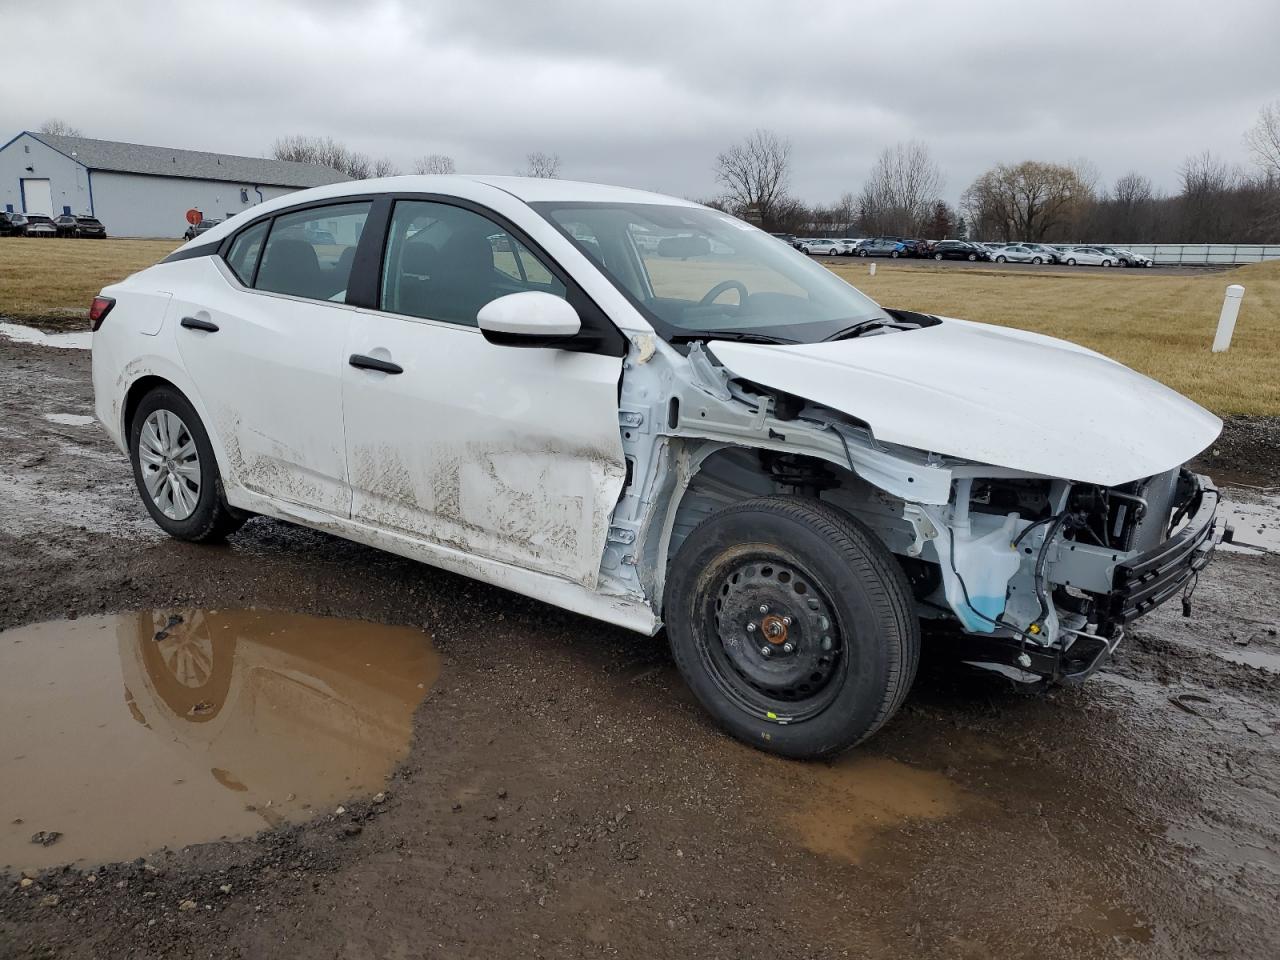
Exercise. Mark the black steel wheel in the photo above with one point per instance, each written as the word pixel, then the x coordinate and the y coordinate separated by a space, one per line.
pixel 792 624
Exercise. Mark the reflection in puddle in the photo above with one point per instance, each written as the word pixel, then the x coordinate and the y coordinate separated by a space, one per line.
pixel 229 722
pixel 860 795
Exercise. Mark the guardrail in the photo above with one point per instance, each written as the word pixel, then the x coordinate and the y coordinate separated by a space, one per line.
pixel 1203 254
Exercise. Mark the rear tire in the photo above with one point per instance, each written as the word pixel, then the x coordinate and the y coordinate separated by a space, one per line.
pixel 187 502
pixel 830 591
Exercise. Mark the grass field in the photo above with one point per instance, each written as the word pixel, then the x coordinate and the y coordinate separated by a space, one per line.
pixel 52 279
pixel 1159 324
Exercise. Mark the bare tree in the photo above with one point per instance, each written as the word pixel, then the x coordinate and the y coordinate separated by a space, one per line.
pixel 756 175
pixel 1026 201
pixel 900 195
pixel 435 163
pixel 56 127
pixel 545 166
pixel 327 152
pixel 1263 139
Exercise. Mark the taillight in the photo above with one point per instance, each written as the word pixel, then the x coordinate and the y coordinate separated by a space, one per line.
pixel 98 312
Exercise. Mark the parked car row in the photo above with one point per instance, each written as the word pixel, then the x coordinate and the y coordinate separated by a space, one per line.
pixel 203 226
pixel 1038 253
pixel 38 225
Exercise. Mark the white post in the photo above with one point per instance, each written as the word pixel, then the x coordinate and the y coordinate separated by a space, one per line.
pixel 872 271
pixel 1227 320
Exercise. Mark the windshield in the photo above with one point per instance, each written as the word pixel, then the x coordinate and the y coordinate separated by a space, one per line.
pixel 695 272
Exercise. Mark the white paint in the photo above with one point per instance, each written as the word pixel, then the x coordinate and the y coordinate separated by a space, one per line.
pixel 531 313
pixel 1227 319
pixel 70 419
pixel 77 340
pixel 992 395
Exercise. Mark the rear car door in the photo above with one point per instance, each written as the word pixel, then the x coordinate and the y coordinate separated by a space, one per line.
pixel 265 349
pixel 508 453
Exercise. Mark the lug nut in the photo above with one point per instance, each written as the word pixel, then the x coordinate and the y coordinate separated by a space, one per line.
pixel 751 628
pixel 786 621
pixel 764 608
pixel 766 651
pixel 788 647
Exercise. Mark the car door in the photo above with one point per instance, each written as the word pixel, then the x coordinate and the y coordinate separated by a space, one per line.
pixel 509 453
pixel 264 348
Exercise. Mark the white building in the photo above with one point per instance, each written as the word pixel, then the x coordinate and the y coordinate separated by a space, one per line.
pixel 140 191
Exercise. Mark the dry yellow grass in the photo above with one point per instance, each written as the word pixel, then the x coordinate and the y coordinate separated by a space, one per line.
pixel 1159 324
pixel 50 279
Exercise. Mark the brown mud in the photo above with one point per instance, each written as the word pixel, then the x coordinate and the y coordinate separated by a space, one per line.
pixel 563 796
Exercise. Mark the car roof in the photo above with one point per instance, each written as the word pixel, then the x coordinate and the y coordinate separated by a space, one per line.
pixel 527 189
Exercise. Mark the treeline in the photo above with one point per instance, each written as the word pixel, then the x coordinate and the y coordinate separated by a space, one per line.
pixel 1036 201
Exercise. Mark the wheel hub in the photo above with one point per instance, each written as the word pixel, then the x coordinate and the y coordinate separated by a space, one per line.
pixel 776 631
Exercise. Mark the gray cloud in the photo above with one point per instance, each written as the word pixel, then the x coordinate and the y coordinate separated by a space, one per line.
pixel 646 94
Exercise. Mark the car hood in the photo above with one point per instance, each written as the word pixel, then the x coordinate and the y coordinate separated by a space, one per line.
pixel 993 395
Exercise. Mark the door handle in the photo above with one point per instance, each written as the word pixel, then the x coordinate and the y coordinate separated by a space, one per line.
pixel 361 362
pixel 191 323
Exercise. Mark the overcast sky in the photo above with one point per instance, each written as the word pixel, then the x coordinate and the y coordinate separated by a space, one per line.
pixel 645 93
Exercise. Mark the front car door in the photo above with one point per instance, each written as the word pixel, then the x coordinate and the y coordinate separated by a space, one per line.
pixel 507 453
pixel 264 348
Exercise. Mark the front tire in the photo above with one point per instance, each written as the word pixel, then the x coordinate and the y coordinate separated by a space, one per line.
pixel 1002 260
pixel 862 253
pixel 1106 263
pixel 1071 261
pixel 817 590
pixel 175 470
pixel 937 256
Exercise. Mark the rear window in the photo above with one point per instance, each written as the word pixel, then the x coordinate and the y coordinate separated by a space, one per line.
pixel 309 253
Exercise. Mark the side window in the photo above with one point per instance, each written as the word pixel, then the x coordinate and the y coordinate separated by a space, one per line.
pixel 242 258
pixel 444 263
pixel 309 253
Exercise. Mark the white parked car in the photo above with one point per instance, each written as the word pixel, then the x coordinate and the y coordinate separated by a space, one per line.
pixel 825 248
pixel 1090 256
pixel 739 446
pixel 1017 253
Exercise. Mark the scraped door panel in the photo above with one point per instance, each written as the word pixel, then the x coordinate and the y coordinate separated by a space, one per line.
pixel 270 378
pixel 507 453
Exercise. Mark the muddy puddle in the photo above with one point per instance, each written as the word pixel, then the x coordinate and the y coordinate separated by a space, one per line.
pixel 1255 514
pixel 75 340
pixel 70 419
pixel 860 796
pixel 122 734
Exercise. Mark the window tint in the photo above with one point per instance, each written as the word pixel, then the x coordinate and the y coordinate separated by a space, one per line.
pixel 243 255
pixel 445 263
pixel 309 253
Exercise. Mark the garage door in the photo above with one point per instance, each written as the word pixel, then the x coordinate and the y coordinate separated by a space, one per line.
pixel 37 197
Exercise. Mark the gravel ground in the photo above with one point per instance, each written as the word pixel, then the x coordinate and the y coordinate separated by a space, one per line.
pixel 564 797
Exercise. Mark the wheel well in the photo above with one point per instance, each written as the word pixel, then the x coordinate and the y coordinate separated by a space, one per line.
pixel 137 390
pixel 733 474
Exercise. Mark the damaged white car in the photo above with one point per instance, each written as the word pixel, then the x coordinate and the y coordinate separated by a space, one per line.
pixel 649 412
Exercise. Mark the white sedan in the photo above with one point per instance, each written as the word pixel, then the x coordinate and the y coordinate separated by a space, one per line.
pixel 825 248
pixel 491 375
pixel 1017 253
pixel 1088 256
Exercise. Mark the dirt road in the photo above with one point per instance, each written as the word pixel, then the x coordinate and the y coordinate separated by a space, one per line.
pixel 562 796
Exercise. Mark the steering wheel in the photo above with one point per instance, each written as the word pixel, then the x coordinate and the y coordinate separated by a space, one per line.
pixel 709 297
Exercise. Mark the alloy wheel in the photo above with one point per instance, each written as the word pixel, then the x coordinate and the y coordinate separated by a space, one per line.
pixel 170 464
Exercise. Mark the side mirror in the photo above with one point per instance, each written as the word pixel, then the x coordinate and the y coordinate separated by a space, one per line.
pixel 529 319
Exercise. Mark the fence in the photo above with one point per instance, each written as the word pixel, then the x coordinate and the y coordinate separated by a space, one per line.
pixel 1201 254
